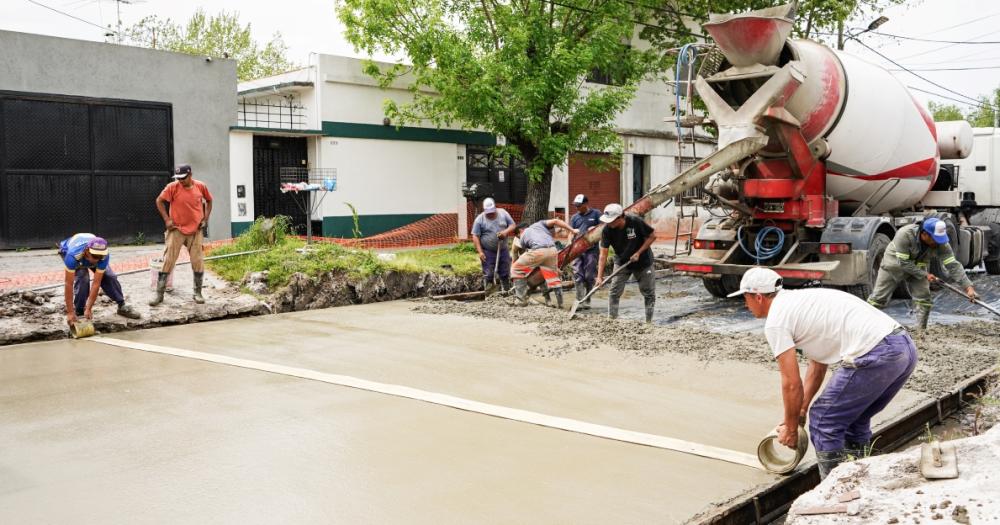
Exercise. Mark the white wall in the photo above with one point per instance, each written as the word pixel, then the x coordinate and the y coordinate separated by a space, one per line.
pixel 241 172
pixel 391 177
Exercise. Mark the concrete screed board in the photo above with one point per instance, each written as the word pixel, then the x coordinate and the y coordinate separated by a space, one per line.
pixel 94 432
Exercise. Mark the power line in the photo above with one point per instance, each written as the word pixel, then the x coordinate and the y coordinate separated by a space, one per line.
pixel 972 68
pixel 946 97
pixel 916 39
pixel 897 64
pixel 946 46
pixel 69 15
pixel 973 21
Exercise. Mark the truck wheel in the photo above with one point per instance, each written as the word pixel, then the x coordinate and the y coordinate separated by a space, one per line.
pixel 723 286
pixel 875 252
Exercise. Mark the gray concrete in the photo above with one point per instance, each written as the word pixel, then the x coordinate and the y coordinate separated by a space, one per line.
pixel 203 95
pixel 94 433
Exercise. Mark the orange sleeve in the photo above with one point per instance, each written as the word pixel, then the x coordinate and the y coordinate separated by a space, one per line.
pixel 168 192
pixel 205 193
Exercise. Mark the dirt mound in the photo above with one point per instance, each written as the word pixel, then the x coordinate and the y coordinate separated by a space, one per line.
pixel 339 289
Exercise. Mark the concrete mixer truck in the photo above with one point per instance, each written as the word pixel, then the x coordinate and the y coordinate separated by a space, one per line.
pixel 821 157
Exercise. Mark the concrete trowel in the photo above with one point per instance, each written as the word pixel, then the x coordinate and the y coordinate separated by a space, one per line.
pixel 82 328
pixel 938 460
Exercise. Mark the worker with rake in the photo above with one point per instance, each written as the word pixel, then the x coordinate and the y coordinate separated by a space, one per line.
pixel 874 353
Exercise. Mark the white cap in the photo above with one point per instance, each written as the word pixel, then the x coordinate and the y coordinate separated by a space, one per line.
pixel 612 212
pixel 489 205
pixel 579 199
pixel 759 280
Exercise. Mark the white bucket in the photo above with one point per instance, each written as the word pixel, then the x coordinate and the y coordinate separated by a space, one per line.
pixel 155 265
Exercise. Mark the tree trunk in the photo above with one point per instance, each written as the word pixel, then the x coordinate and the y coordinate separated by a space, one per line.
pixel 840 35
pixel 536 204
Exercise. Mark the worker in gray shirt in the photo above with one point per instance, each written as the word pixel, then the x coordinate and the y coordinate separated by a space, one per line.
pixel 489 233
pixel 907 259
pixel 539 251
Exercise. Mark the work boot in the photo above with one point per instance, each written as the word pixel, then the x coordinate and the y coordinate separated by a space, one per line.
pixel 613 308
pixel 125 310
pixel 161 286
pixel 590 287
pixel 198 276
pixel 649 310
pixel 581 292
pixel 486 283
pixel 857 450
pixel 923 315
pixel 828 461
pixel 559 297
pixel 521 291
pixel 505 285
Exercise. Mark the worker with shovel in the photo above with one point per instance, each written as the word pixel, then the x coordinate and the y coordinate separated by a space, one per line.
pixel 585 265
pixel 190 206
pixel 875 354
pixel 489 235
pixel 82 254
pixel 631 238
pixel 538 245
pixel 907 260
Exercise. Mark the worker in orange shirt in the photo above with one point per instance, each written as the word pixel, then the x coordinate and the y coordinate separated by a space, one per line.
pixel 190 206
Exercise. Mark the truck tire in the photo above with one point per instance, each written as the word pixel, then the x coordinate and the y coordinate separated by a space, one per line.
pixel 722 286
pixel 876 250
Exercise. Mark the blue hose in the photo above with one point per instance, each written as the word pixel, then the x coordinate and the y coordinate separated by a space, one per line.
pixel 682 60
pixel 761 253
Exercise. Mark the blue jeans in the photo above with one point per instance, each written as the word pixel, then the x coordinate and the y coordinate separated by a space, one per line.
pixel 843 412
pixel 585 268
pixel 109 283
pixel 503 270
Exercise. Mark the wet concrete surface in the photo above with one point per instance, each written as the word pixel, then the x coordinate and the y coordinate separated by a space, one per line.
pixel 109 432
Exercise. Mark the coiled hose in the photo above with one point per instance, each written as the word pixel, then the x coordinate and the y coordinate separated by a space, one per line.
pixel 761 253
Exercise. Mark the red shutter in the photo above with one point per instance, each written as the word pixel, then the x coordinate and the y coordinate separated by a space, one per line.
pixel 600 187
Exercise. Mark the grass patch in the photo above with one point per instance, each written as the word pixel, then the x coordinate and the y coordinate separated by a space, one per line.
pixel 283 258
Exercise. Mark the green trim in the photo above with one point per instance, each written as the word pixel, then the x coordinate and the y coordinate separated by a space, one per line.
pixel 276 131
pixel 374 131
pixel 370 224
pixel 236 228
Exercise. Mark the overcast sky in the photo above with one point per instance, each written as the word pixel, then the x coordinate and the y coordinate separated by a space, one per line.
pixel 311 26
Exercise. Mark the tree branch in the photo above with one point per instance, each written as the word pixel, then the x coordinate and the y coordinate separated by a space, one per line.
pixel 489 23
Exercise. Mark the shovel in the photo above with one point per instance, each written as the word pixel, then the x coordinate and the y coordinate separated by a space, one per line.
pixel 572 311
pixel 959 291
pixel 492 288
pixel 938 460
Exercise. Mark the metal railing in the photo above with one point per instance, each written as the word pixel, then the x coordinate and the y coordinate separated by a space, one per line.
pixel 252 113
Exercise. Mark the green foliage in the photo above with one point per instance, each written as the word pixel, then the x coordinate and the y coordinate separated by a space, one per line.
pixel 356 231
pixel 515 69
pixel 985 115
pixel 216 36
pixel 944 112
pixel 264 232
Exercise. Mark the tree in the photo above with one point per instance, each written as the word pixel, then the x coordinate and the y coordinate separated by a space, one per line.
pixel 515 69
pixel 219 36
pixel 944 112
pixel 984 115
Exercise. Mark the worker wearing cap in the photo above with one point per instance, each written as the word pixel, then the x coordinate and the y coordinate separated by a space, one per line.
pixel 538 245
pixel 82 254
pixel 907 260
pixel 875 354
pixel 631 238
pixel 190 206
pixel 585 265
pixel 489 233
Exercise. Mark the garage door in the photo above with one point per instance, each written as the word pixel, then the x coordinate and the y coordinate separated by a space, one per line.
pixel 71 164
pixel 600 185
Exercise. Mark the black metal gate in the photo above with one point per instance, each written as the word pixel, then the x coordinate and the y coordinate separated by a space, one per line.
pixel 74 164
pixel 270 154
pixel 509 180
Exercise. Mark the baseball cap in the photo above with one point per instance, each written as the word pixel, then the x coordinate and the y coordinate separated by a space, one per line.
pixel 612 212
pixel 758 280
pixel 489 205
pixel 98 246
pixel 937 229
pixel 182 171
pixel 579 199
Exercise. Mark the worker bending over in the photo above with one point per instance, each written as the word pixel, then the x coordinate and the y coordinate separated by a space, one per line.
pixel 538 246
pixel 631 238
pixel 82 254
pixel 907 260
pixel 828 326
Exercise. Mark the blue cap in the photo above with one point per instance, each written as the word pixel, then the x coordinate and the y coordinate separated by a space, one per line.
pixel 937 229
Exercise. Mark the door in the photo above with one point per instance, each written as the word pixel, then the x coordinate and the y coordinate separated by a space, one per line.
pixel 73 164
pixel 601 185
pixel 270 154
pixel 507 178
pixel 640 176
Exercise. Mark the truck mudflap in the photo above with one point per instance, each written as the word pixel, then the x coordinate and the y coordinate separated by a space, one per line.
pixel 700 267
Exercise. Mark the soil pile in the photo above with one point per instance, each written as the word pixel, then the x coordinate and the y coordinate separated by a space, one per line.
pixel 339 289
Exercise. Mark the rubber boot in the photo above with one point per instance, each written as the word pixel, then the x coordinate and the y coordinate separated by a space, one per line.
pixel 521 291
pixel 581 292
pixel 612 308
pixel 828 461
pixel 559 297
pixel 923 315
pixel 161 286
pixel 198 276
pixel 857 450
pixel 486 283
pixel 125 310
pixel 505 285
pixel 589 288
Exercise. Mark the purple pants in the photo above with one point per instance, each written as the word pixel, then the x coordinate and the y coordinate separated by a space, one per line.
pixel 843 412
pixel 503 271
pixel 81 288
pixel 585 268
